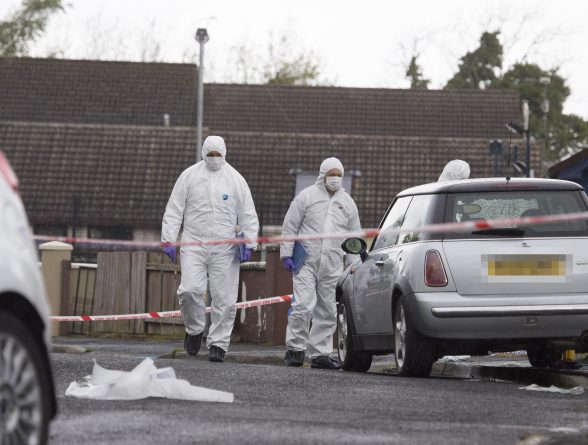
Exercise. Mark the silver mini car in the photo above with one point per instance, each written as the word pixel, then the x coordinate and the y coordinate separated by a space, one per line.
pixel 426 295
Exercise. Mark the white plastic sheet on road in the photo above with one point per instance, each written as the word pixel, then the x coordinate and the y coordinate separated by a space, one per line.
pixel 455 358
pixel 142 382
pixel 576 390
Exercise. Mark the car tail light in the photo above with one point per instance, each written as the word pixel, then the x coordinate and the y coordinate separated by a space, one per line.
pixel 434 271
pixel 7 173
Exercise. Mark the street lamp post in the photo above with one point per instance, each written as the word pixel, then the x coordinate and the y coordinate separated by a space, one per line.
pixel 527 135
pixel 201 38
pixel 545 109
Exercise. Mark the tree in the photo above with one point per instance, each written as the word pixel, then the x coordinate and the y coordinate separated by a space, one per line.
pixel 414 73
pixel 281 65
pixel 25 25
pixel 527 79
pixel 481 67
pixel 568 136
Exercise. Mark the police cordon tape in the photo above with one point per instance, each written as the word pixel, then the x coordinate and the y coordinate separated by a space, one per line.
pixel 456 227
pixel 168 314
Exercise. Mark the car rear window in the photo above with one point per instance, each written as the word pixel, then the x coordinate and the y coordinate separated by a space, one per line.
pixel 512 204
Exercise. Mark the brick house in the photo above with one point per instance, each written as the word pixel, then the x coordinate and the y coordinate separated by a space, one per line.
pixel 98 145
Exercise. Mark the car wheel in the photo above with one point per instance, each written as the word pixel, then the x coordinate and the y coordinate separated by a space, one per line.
pixel 544 357
pixel 414 354
pixel 25 392
pixel 352 360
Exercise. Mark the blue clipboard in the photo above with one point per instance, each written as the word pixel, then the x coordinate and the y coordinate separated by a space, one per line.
pixel 299 255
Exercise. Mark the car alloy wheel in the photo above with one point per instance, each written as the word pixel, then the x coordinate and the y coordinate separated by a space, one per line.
pixel 351 360
pixel 342 332
pixel 414 353
pixel 400 336
pixel 24 388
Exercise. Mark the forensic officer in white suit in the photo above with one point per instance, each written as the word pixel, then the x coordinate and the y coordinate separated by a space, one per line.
pixel 322 207
pixel 210 199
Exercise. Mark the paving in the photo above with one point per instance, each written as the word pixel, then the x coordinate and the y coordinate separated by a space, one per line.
pixel 277 404
pixel 511 367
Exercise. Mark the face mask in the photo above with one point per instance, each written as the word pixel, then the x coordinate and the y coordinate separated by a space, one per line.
pixel 333 183
pixel 214 162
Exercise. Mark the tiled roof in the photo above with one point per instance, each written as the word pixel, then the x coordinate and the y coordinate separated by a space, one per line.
pixel 128 93
pixel 365 111
pixel 96 92
pixel 387 164
pixel 124 174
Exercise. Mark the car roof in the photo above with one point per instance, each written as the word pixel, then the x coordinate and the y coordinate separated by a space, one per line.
pixel 491 184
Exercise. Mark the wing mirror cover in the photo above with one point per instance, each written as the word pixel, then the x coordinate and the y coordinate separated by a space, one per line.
pixel 355 246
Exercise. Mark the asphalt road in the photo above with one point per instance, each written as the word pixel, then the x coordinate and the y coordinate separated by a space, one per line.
pixel 276 404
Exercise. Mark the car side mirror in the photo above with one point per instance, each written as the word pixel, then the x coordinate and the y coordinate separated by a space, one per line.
pixel 355 246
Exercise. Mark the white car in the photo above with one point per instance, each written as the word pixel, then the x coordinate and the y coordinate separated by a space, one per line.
pixel 27 395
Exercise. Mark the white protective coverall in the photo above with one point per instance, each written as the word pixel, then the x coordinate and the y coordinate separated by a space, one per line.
pixel 453 170
pixel 210 204
pixel 314 211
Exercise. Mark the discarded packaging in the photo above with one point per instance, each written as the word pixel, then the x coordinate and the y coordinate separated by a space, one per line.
pixel 454 358
pixel 521 364
pixel 576 390
pixel 142 382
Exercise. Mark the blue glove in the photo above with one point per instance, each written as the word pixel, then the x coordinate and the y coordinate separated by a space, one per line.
pixel 170 251
pixel 288 263
pixel 247 254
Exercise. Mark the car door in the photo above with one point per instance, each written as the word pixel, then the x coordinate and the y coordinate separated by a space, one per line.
pixel 410 260
pixel 371 306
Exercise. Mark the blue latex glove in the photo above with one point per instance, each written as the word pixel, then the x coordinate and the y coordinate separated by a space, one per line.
pixel 247 254
pixel 288 263
pixel 170 251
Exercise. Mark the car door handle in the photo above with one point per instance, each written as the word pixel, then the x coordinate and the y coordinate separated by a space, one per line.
pixel 379 263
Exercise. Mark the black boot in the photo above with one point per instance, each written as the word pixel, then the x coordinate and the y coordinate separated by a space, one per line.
pixel 325 362
pixel 294 358
pixel 216 354
pixel 192 343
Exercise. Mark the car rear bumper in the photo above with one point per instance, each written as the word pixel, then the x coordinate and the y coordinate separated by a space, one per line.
pixel 509 311
pixel 448 315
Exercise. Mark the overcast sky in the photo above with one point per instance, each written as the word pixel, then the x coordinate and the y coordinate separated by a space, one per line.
pixel 358 43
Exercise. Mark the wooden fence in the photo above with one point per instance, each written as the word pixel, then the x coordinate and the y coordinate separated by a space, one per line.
pixel 133 282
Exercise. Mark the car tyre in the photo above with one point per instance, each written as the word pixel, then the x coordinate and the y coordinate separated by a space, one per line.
pixel 414 354
pixel 25 389
pixel 544 357
pixel 351 359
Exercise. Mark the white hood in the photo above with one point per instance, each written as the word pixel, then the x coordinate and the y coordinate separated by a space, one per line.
pixel 456 169
pixel 326 165
pixel 214 143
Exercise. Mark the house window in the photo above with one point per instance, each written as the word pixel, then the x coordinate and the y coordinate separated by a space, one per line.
pixel 50 229
pixel 110 232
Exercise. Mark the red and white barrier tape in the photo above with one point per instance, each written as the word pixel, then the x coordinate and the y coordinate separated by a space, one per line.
pixel 444 227
pixel 465 226
pixel 167 314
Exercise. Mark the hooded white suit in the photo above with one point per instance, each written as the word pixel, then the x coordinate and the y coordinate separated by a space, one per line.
pixel 314 211
pixel 210 203
pixel 453 170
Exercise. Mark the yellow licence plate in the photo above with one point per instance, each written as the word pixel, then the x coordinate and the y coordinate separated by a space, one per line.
pixel 527 265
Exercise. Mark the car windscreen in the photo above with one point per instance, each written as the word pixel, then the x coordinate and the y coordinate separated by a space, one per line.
pixel 513 204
